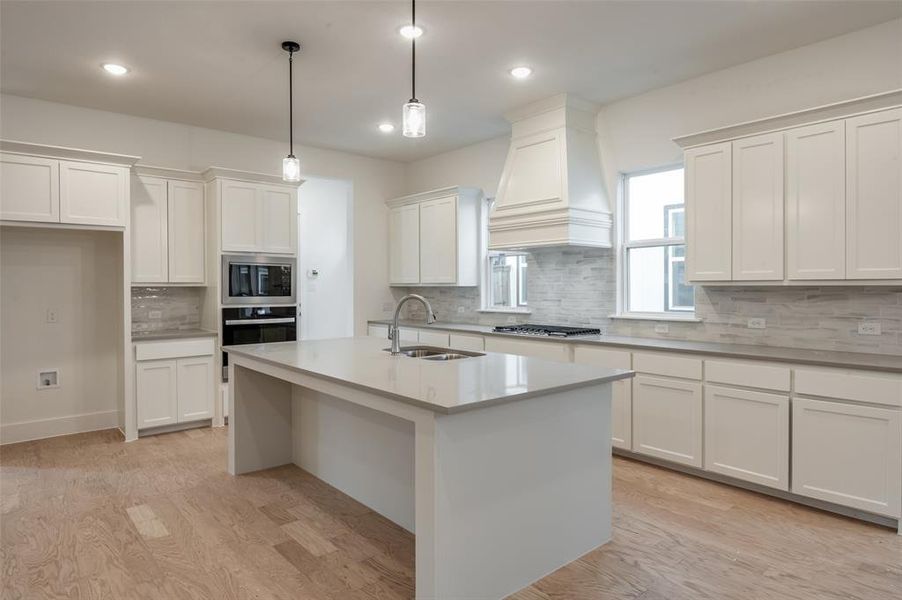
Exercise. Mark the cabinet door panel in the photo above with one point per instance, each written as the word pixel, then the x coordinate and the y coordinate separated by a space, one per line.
pixel 92 194
pixel 667 419
pixel 186 232
pixel 816 202
pixel 157 395
pixel 404 244
pixel 621 392
pixel 747 435
pixel 241 221
pixel 195 389
pixel 280 218
pixel 29 188
pixel 758 208
pixel 848 454
pixel 438 240
pixel 547 350
pixel 709 213
pixel 874 196
pixel 149 230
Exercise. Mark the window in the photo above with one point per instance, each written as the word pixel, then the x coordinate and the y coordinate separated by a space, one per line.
pixel 654 245
pixel 506 281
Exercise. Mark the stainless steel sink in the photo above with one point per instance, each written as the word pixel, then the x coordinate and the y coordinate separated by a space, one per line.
pixel 435 353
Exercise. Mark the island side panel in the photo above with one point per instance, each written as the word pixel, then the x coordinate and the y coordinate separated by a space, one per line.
pixel 521 489
pixel 259 420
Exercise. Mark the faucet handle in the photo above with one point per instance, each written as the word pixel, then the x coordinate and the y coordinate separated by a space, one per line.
pixel 391 332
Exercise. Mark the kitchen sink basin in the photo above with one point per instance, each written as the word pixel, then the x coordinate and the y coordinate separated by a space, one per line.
pixel 435 353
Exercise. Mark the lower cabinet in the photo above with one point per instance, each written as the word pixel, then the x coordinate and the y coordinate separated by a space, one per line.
pixel 621 390
pixel 747 435
pixel 667 419
pixel 848 454
pixel 548 350
pixel 174 382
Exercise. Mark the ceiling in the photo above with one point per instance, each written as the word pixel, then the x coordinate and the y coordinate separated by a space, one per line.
pixel 220 65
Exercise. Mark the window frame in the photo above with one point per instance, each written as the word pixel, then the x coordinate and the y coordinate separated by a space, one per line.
pixel 485 272
pixel 625 245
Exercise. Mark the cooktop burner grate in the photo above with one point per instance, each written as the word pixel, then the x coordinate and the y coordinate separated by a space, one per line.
pixel 546 330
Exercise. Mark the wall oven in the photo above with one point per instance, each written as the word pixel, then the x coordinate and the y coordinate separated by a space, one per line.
pixel 252 279
pixel 257 325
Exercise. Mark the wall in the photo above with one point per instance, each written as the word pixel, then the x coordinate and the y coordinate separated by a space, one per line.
pixel 178 308
pixel 635 133
pixel 326 245
pixel 174 145
pixel 77 274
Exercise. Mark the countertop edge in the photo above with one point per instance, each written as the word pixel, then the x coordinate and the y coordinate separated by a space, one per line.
pixel 621 374
pixel 668 345
pixel 173 335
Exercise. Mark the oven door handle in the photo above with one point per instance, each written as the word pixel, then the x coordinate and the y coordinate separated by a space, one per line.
pixel 260 321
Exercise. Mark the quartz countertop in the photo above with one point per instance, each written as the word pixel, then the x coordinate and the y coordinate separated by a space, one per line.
pixel 171 334
pixel 826 358
pixel 442 386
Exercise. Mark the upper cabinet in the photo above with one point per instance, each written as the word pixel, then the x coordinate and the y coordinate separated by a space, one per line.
pixel 801 204
pixel 168 230
pixel 48 184
pixel 433 238
pixel 258 213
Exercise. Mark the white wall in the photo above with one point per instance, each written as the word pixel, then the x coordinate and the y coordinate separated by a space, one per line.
pixel 326 245
pixel 77 274
pixel 180 146
pixel 478 166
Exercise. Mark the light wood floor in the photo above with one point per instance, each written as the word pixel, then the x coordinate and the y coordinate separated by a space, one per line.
pixel 88 516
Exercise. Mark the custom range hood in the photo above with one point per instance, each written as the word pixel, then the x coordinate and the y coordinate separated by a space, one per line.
pixel 551 191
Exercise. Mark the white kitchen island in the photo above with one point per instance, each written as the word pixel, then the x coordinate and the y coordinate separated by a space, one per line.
pixel 500 464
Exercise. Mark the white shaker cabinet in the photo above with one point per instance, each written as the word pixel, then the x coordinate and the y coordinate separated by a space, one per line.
pixel 438 240
pixel 93 194
pixel 747 435
pixel 621 390
pixel 255 216
pixel 667 419
pixel 404 244
pixel 156 393
pixel 709 212
pixel 548 350
pixel 29 188
pixel 241 224
pixel 758 208
pixel 149 230
pixel 186 238
pixel 848 454
pixel 874 196
pixel 279 216
pixel 816 202
pixel 195 387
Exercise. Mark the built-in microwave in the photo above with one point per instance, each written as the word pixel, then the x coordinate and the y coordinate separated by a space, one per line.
pixel 253 279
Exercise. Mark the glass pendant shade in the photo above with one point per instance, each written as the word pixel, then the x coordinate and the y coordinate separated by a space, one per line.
pixel 291 169
pixel 414 118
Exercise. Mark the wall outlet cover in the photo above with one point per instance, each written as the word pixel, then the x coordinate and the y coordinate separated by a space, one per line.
pixel 155 314
pixel 460 310
pixel 869 328
pixel 662 328
pixel 757 323
pixel 52 315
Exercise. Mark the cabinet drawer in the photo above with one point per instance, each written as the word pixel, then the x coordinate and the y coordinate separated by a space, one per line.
pixel 377 330
pixel 462 341
pixel 666 364
pixel 434 338
pixel 548 350
pixel 849 384
pixel 770 377
pixel 174 348
pixel 592 355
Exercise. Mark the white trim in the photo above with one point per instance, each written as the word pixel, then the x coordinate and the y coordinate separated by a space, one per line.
pixel 66 153
pixel 510 311
pixel 638 316
pixel 11 433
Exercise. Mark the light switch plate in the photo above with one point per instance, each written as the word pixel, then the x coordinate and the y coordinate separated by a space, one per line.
pixel 757 323
pixel 155 314
pixel 869 328
pixel 662 328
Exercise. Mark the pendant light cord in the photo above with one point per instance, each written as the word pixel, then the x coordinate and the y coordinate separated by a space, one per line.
pixel 290 104
pixel 413 52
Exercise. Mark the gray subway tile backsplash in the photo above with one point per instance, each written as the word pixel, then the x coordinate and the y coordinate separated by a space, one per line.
pixel 165 308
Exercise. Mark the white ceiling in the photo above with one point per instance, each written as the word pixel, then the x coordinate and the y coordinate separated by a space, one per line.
pixel 220 65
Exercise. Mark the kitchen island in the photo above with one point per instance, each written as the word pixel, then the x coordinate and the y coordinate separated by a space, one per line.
pixel 500 464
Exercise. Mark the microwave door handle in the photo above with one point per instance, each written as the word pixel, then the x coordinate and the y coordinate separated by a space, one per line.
pixel 281 321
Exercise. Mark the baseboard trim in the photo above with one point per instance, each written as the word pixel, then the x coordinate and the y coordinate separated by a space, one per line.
pixel 26 431
pixel 175 427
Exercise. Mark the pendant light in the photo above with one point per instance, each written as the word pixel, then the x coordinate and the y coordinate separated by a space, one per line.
pixel 291 166
pixel 413 114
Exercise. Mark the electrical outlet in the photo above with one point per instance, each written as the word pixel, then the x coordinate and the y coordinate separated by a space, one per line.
pixel 460 310
pixel 52 315
pixel 387 307
pixel 869 328
pixel 512 319
pixel 155 314
pixel 49 378
pixel 757 323
pixel 662 328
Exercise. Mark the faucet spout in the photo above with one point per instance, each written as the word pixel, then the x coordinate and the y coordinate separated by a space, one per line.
pixel 393 332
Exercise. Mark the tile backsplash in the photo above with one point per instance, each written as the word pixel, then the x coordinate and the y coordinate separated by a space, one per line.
pixel 576 286
pixel 165 308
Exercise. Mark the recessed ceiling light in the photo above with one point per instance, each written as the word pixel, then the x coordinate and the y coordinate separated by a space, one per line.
pixel 114 69
pixel 521 72
pixel 386 127
pixel 411 31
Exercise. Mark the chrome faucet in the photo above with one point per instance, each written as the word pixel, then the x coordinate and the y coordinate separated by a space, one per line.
pixel 393 333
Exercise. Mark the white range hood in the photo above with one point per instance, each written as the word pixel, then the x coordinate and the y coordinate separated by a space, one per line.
pixel 551 191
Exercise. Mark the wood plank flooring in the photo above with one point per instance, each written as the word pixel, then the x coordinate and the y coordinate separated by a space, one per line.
pixel 88 516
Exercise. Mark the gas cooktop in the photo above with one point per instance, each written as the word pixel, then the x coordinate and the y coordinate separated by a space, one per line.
pixel 546 330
